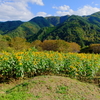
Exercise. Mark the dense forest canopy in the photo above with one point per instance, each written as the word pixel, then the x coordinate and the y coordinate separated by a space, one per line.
pixel 82 30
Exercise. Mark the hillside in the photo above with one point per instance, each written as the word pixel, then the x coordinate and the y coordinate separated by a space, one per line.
pixel 94 19
pixel 41 22
pixel 5 27
pixel 57 20
pixel 81 29
pixel 49 88
pixel 25 30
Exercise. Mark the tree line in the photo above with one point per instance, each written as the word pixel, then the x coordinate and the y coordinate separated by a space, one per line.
pixel 18 44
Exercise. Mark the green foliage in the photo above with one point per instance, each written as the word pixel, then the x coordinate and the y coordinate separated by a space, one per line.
pixel 55 45
pixel 94 18
pixel 53 20
pixel 30 63
pixel 72 30
pixel 77 29
pixel 4 42
pixel 5 27
pixel 10 44
pixel 57 20
pixel 74 47
pixel 92 48
pixel 18 92
pixel 41 35
pixel 62 89
pixel 25 30
pixel 41 22
pixel 85 49
pixel 36 44
pixel 95 48
pixel 83 30
pixel 18 43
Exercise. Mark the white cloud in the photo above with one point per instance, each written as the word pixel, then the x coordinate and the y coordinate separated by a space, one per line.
pixel 95 4
pixel 64 7
pixel 16 9
pixel 62 13
pixel 39 2
pixel 44 14
pixel 85 10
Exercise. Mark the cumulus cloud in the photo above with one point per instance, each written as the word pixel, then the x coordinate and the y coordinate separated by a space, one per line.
pixel 44 14
pixel 64 7
pixel 39 2
pixel 19 10
pixel 85 10
pixel 16 9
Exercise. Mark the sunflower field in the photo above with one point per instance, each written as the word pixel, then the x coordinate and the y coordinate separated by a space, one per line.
pixel 31 63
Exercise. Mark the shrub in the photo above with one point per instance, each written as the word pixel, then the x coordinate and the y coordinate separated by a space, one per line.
pixel 95 48
pixel 55 45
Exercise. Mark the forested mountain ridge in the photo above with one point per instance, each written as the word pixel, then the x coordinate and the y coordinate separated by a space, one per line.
pixel 7 26
pixel 81 29
pixel 74 29
pixel 41 22
pixel 25 30
pixel 55 20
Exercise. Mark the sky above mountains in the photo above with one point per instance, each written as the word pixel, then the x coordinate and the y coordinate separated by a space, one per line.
pixel 27 9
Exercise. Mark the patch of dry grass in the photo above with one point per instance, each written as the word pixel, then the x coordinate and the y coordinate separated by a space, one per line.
pixel 53 88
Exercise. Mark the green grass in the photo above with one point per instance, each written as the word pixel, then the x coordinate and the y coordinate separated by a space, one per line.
pixel 49 88
pixel 18 92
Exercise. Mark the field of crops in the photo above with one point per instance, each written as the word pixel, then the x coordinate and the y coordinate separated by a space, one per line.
pixel 30 63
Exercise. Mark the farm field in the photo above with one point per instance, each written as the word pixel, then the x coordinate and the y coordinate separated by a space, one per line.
pixel 31 63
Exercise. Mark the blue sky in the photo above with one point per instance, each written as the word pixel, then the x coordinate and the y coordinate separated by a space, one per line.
pixel 27 9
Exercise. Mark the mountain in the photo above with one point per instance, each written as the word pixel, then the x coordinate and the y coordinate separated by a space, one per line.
pixel 5 27
pixel 24 30
pixel 41 22
pixel 94 18
pixel 57 20
pixel 81 29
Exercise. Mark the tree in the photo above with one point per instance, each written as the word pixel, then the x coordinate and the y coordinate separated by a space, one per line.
pixel 55 45
pixel 49 45
pixel 74 47
pixel 4 42
pixel 37 44
pixel 95 48
pixel 18 43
